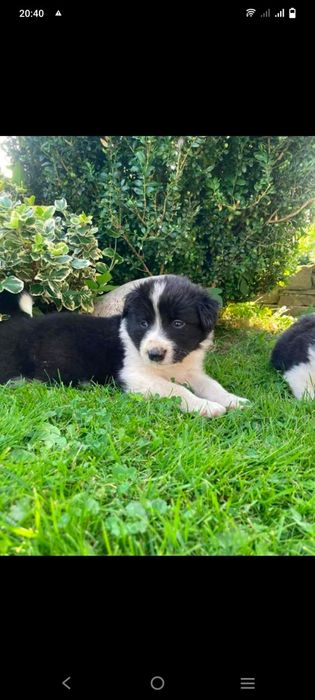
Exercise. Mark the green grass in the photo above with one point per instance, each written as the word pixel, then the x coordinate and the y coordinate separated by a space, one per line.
pixel 98 472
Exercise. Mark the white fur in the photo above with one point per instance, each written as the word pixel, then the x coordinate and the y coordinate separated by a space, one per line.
pixel 208 388
pixel 157 291
pixel 301 378
pixel 209 399
pixel 156 338
pixel 26 303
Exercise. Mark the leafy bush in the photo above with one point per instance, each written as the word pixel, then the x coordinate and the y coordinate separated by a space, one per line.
pixel 10 187
pixel 306 248
pixel 58 166
pixel 51 252
pixel 226 211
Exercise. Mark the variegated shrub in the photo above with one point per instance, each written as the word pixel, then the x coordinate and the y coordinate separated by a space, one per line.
pixel 52 253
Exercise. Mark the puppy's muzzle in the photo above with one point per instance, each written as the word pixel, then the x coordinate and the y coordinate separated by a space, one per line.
pixel 156 354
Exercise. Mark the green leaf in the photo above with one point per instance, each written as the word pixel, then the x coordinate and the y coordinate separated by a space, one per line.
pixel 92 285
pixel 26 213
pixel 159 505
pixel 30 200
pixel 48 212
pixel 36 289
pixel 244 288
pixel 55 288
pixel 135 510
pixel 108 287
pixel 49 227
pixel 70 300
pixel 102 279
pixel 50 435
pixel 91 506
pixel 215 294
pixel 114 233
pixel 5 201
pixel 20 510
pixel 59 249
pixel 14 220
pixel 39 211
pixel 60 204
pixel 108 252
pixel 137 526
pixel 121 472
pixel 114 525
pixel 80 264
pixel 87 306
pixel 59 275
pixel 82 504
pixel 53 274
pixel 101 267
pixel 12 284
pixel 61 259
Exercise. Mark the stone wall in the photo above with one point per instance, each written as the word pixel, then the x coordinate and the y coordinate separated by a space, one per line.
pixel 298 293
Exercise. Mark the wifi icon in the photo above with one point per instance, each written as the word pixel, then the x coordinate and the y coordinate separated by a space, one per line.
pixel 250 12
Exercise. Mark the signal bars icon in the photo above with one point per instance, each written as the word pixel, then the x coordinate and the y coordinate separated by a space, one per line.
pixel 266 14
pixel 250 12
pixel 280 13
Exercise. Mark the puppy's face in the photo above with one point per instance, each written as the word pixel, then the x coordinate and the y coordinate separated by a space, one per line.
pixel 166 320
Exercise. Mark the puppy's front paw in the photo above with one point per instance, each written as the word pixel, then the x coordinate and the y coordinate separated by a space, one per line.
pixel 211 409
pixel 236 402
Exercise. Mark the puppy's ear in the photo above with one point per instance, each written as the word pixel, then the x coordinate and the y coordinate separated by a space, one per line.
pixel 130 298
pixel 208 310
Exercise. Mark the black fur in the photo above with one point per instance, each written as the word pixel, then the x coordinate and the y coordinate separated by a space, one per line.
pixel 68 346
pixel 180 300
pixel 76 348
pixel 10 304
pixel 293 345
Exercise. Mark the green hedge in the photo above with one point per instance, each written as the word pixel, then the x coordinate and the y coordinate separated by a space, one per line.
pixel 226 211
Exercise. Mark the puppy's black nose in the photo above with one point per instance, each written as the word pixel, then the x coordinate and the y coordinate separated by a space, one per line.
pixel 156 355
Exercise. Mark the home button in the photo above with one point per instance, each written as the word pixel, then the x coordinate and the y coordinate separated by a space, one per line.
pixel 157 682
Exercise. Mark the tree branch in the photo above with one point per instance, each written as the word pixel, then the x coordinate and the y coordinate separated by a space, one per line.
pixel 290 216
pixel 232 207
pixel 135 252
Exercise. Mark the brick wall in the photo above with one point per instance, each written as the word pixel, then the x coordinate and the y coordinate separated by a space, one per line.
pixel 298 294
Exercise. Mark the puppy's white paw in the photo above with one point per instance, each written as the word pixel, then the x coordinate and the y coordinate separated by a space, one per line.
pixel 211 409
pixel 234 401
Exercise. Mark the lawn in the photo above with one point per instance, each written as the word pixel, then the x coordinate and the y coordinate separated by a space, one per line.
pixel 97 472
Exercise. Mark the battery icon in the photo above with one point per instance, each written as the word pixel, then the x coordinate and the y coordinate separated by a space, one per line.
pixel 292 13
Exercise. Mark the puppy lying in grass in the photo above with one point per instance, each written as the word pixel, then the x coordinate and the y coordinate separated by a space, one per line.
pixel 156 346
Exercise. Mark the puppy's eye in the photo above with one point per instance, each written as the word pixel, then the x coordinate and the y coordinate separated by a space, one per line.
pixel 144 324
pixel 178 324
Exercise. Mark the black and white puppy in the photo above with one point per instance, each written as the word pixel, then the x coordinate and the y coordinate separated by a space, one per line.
pixel 294 355
pixel 16 304
pixel 156 346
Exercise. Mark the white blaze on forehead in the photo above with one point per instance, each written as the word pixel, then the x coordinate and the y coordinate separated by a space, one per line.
pixel 156 337
pixel 156 331
pixel 158 289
